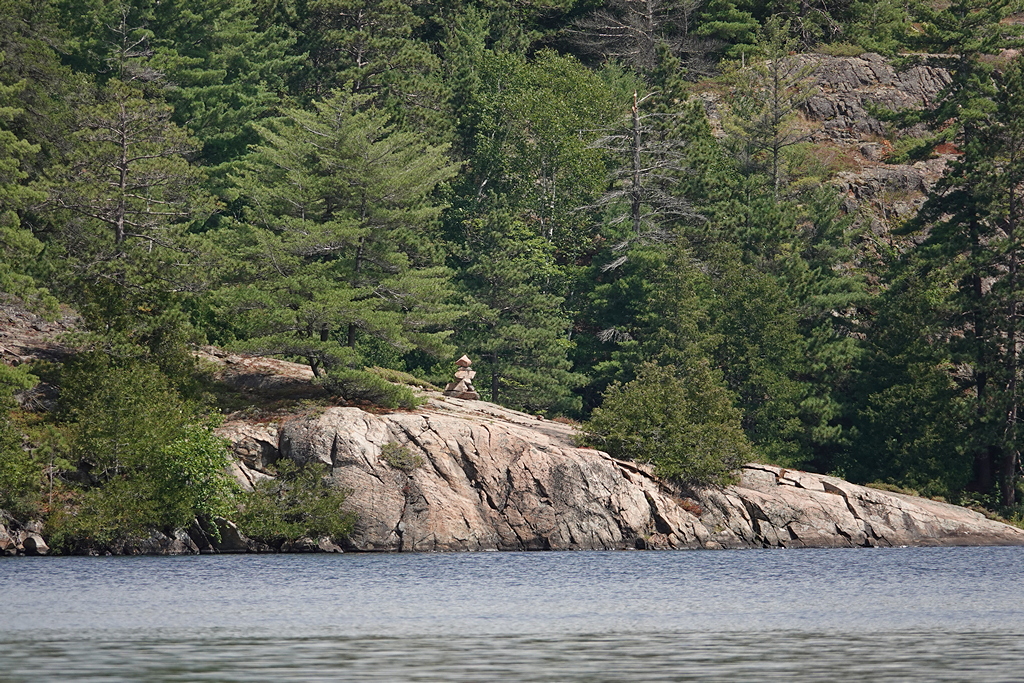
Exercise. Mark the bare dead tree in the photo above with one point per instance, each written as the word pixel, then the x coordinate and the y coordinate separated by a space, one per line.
pixel 640 192
pixel 630 31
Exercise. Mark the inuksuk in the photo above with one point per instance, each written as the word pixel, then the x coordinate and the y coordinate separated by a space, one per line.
pixel 462 387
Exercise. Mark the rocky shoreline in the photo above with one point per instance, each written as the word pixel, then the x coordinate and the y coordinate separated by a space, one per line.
pixel 495 479
pixel 476 476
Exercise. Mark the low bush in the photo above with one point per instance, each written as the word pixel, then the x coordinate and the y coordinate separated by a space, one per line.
pixel 363 385
pixel 840 49
pixel 399 377
pixel 681 420
pixel 143 458
pixel 298 502
pixel 400 457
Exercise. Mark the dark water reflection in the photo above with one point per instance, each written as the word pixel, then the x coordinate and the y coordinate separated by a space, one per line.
pixel 923 614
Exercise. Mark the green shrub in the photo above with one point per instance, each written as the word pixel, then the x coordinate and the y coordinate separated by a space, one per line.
pixel 682 421
pixel 362 385
pixel 147 459
pixel 840 49
pixel 299 502
pixel 21 474
pixel 188 476
pixel 400 457
pixel 399 377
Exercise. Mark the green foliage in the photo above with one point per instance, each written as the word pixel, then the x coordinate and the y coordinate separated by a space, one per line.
pixel 21 472
pixel 731 24
pixel 763 120
pixel 148 460
pixel 299 502
pixel 371 47
pixel 530 151
pixel 363 385
pixel 338 243
pixel 399 377
pixel 841 50
pixel 17 245
pixel 227 72
pixel 189 477
pixel 122 206
pixel 400 457
pixel 515 329
pixel 122 415
pixel 344 234
pixel 681 420
pixel 969 256
pixel 878 25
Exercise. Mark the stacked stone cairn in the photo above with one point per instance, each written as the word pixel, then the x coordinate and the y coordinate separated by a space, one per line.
pixel 462 387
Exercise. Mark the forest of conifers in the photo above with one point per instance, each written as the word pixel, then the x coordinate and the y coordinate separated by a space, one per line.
pixel 535 183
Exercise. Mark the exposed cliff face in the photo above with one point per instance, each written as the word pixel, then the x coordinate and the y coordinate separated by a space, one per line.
pixel 848 87
pixel 495 479
pixel 838 117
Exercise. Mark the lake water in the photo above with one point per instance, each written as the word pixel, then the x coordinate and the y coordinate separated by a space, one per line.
pixel 910 614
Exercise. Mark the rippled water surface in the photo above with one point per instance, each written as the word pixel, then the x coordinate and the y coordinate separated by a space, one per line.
pixel 911 614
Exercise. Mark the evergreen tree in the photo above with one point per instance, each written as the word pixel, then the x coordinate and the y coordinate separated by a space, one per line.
pixel 956 37
pixel 338 242
pixel 530 154
pixel 878 25
pixel 968 247
pixel 680 419
pixel 209 58
pixel 763 118
pixel 127 197
pixel 514 325
pixel 911 415
pixel 223 71
pixel 972 243
pixel 18 246
pixel 370 46
pixel 730 25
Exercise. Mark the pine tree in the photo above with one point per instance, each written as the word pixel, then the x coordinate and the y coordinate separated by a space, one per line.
pixel 337 245
pixel 223 71
pixel 18 245
pixel 370 46
pixel 763 119
pixel 209 58
pixel 530 154
pixel 514 325
pixel 878 25
pixel 910 414
pixel 730 25
pixel 968 243
pixel 972 241
pixel 124 202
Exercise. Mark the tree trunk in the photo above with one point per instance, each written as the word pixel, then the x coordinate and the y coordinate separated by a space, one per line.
pixel 1011 455
pixel 494 377
pixel 636 191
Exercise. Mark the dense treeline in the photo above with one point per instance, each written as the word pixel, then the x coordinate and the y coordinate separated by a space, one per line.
pixel 390 183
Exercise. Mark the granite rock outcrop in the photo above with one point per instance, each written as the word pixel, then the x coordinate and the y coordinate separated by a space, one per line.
pixel 496 479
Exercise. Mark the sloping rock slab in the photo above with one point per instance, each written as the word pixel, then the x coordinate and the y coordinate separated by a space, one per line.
pixel 496 479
